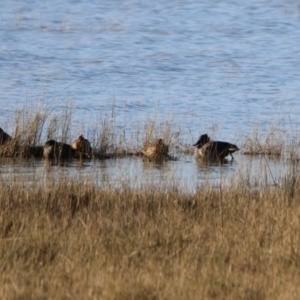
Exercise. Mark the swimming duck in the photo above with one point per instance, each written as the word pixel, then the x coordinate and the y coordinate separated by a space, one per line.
pixel 156 149
pixel 57 150
pixel 82 146
pixel 215 150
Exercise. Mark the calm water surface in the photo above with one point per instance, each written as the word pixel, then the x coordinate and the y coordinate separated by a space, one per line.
pixel 213 66
pixel 187 173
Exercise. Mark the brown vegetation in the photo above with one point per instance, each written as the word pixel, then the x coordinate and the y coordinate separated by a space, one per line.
pixel 78 241
pixel 30 130
pixel 276 141
pixel 81 241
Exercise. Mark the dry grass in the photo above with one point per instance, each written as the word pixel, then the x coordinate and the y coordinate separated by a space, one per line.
pixel 28 130
pixel 79 241
pixel 268 144
pixel 31 128
pixel 74 240
pixel 277 141
pixel 27 134
pixel 105 141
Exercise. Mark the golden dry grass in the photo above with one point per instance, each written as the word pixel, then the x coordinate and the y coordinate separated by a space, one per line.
pixel 277 140
pixel 77 241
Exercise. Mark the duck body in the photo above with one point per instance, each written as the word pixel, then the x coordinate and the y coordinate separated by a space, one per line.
pixel 213 150
pixel 82 147
pixel 57 150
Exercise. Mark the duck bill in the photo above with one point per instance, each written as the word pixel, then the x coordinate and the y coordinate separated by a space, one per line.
pixel 198 144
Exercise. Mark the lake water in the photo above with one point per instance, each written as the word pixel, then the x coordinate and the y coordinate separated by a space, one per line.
pixel 216 67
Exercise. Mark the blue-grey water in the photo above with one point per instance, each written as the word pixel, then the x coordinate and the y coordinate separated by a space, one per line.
pixel 217 67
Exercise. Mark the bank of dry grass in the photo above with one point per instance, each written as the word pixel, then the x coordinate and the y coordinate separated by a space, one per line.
pixel 73 240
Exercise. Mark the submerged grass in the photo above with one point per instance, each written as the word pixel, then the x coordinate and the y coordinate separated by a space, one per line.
pixel 74 240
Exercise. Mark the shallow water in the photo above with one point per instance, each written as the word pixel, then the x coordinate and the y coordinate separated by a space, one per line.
pixel 215 67
pixel 187 173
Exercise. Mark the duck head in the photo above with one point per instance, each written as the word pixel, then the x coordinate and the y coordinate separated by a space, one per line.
pixel 203 139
